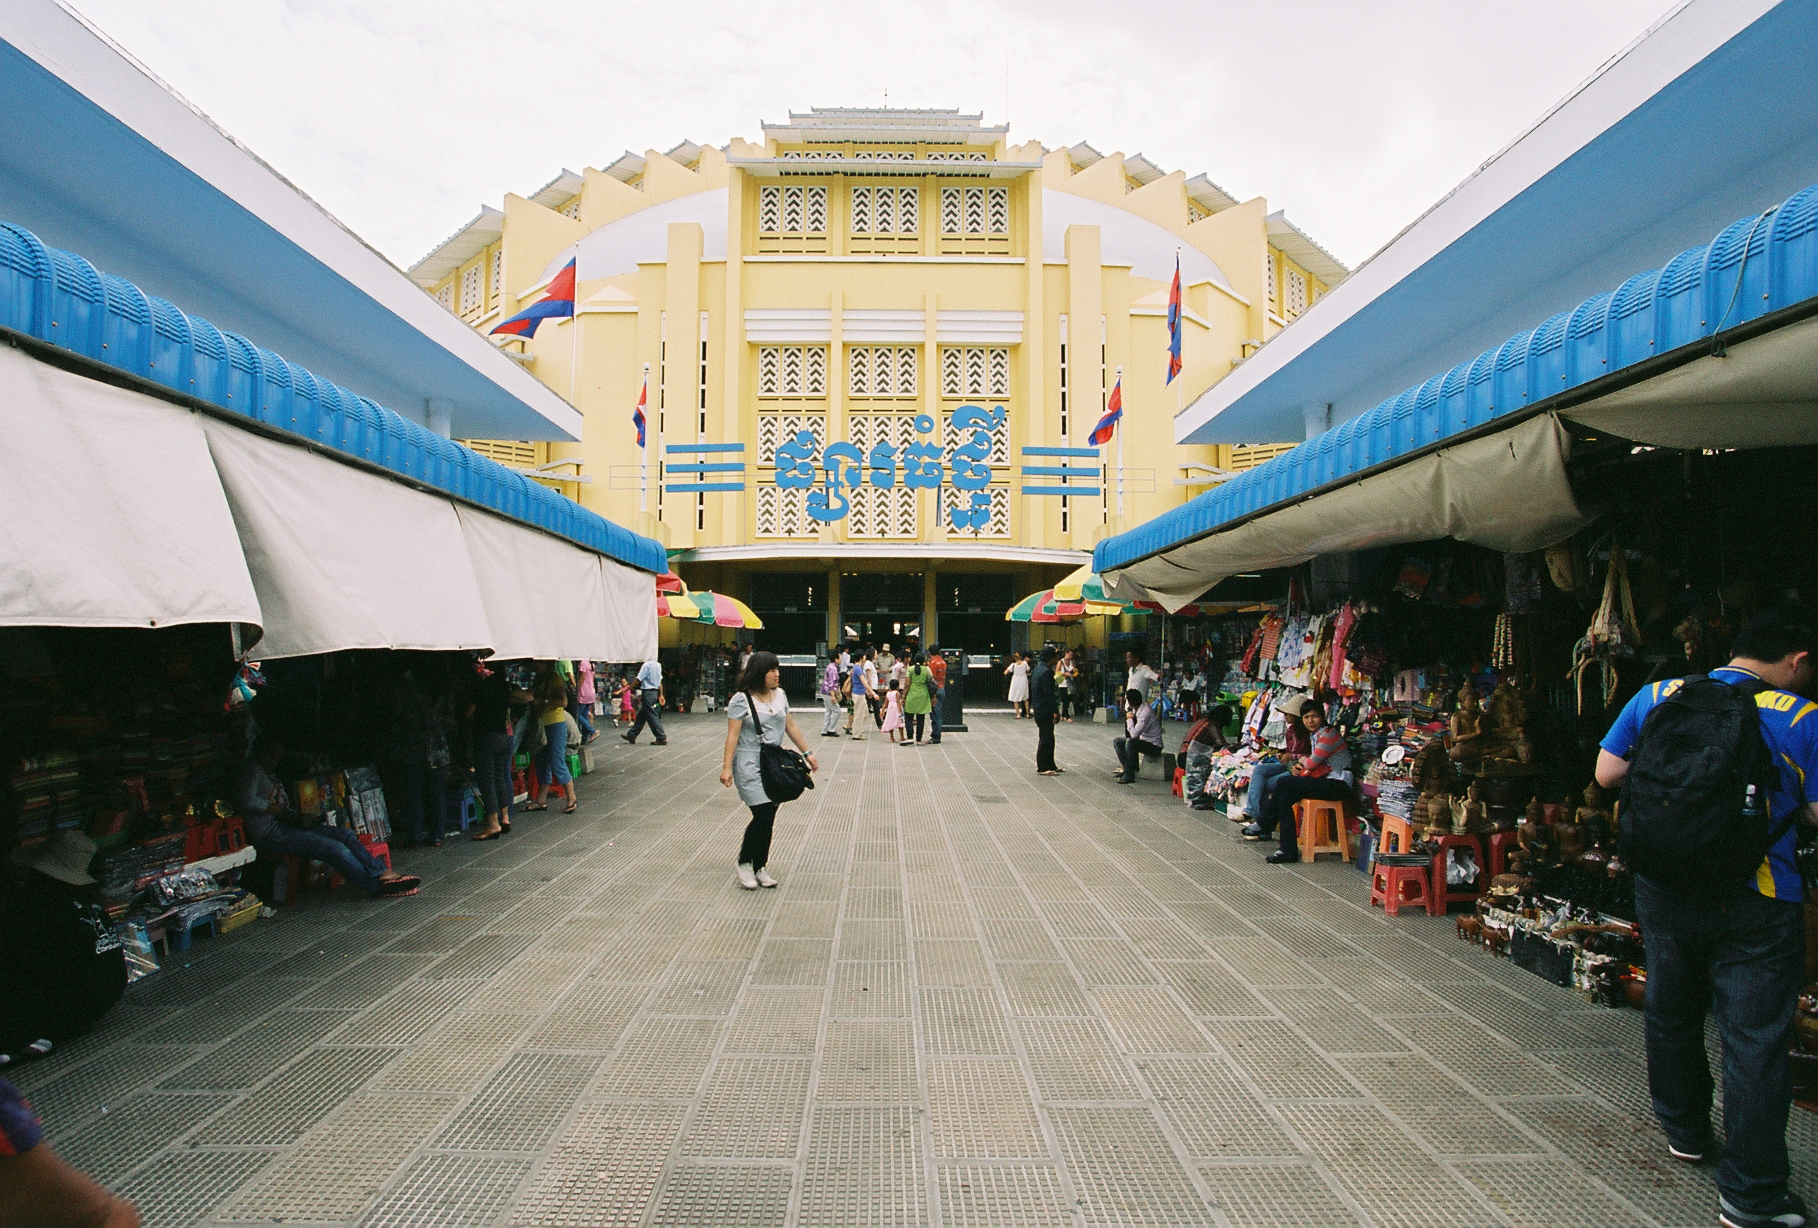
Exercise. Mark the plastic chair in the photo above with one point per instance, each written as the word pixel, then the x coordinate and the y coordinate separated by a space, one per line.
pixel 1389 887
pixel 1397 835
pixel 1320 827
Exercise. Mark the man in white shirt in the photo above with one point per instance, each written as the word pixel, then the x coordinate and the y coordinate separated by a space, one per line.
pixel 873 695
pixel 1140 677
pixel 650 690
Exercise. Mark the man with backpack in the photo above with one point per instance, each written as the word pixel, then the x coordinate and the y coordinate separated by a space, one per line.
pixel 1718 773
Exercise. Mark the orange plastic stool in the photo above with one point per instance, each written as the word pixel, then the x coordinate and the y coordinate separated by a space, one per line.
pixel 1319 827
pixel 1397 835
pixel 1389 887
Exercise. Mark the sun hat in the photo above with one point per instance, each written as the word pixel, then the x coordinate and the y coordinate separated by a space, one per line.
pixel 64 857
pixel 1293 705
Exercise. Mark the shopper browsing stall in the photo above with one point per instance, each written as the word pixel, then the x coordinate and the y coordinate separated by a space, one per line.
pixel 1731 939
pixel 61 966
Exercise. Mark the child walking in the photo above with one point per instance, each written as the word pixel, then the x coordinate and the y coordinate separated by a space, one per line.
pixel 628 709
pixel 893 711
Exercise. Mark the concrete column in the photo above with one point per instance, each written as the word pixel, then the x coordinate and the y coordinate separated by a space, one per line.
pixel 1085 308
pixel 682 364
pixel 833 606
pixel 836 386
pixel 930 598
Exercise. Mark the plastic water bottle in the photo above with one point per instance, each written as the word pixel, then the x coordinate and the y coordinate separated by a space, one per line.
pixel 1751 803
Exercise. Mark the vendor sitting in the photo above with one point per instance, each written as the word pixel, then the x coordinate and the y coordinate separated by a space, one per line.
pixel 276 829
pixel 1205 738
pixel 1142 735
pixel 1267 772
pixel 1325 774
pixel 61 967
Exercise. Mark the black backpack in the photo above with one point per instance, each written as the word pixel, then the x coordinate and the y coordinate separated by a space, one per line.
pixel 1683 821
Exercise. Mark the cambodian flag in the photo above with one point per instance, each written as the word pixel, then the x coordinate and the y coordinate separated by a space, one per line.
pixel 1174 322
pixel 637 412
pixel 557 303
pixel 1114 411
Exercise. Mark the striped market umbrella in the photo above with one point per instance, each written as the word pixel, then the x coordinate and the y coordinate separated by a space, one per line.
pixel 704 606
pixel 1046 607
pixel 1084 584
pixel 669 582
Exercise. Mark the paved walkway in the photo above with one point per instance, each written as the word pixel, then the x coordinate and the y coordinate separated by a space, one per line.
pixel 978 998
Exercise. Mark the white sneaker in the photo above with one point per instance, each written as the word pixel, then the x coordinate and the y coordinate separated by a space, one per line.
pixel 747 879
pixel 764 879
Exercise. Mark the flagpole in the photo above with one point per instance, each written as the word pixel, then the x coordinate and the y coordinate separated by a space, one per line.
pixel 644 448
pixel 1120 452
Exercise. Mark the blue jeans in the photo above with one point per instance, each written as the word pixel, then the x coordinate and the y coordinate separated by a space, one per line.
pixel 1262 784
pixel 580 718
pixel 336 847
pixel 934 717
pixel 1744 954
pixel 421 788
pixel 554 759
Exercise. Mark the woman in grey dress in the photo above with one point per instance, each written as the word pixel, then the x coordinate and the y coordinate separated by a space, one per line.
pixel 761 683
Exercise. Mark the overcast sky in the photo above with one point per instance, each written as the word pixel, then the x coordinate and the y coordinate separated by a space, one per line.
pixel 402 117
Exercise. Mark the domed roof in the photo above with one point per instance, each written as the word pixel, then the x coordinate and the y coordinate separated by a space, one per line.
pixel 1124 238
pixel 643 238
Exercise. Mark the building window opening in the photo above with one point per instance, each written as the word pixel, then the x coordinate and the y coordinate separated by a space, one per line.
pixel 792 371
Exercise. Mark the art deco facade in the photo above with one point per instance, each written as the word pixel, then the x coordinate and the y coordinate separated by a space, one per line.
pixel 813 312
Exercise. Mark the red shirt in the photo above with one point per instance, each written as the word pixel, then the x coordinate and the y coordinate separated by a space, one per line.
pixel 937 665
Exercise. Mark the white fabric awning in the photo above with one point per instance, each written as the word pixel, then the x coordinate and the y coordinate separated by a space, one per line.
pixel 110 511
pixel 545 598
pixel 343 559
pixel 1507 491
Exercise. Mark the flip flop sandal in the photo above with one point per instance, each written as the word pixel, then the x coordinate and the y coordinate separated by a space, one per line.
pixel 527 806
pixel 570 809
pixel 491 835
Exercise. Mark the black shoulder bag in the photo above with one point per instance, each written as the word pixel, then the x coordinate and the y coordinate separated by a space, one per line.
pixel 783 771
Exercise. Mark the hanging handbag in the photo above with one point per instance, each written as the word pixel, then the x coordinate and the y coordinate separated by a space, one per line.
pixel 783 772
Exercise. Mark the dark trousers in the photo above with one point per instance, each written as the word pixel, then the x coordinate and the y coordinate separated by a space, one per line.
pixel 915 724
pixel 1130 752
pixel 934 717
pixel 648 715
pixel 754 850
pixel 492 772
pixel 1745 955
pixel 1064 700
pixel 1044 741
pixel 422 789
pixel 1278 810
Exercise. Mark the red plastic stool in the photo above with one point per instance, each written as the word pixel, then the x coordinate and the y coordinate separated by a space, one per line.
pixel 1442 895
pixel 1319 827
pixel 554 789
pixel 1180 776
pixel 1389 887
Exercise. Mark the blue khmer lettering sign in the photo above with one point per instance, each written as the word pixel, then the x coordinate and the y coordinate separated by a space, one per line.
pixel 844 467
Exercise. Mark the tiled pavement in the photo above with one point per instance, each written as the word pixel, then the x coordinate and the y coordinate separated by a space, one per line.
pixel 979 997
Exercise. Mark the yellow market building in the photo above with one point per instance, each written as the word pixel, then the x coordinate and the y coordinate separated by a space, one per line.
pixel 876 344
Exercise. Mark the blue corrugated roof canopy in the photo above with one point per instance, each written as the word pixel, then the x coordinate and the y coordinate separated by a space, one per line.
pixel 58 297
pixel 1627 362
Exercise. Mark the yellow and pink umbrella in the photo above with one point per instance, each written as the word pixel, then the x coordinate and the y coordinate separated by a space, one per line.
pixel 705 606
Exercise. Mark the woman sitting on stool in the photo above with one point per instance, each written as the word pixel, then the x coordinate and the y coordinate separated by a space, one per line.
pixel 1324 774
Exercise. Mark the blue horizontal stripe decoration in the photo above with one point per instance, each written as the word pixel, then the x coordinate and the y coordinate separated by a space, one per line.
pixel 1758 265
pixel 716 467
pixel 702 487
pixel 1063 491
pixel 1092 453
pixel 703 447
pixel 58 297
pixel 1060 471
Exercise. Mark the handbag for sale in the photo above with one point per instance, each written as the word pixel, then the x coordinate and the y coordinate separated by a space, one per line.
pixel 783 772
